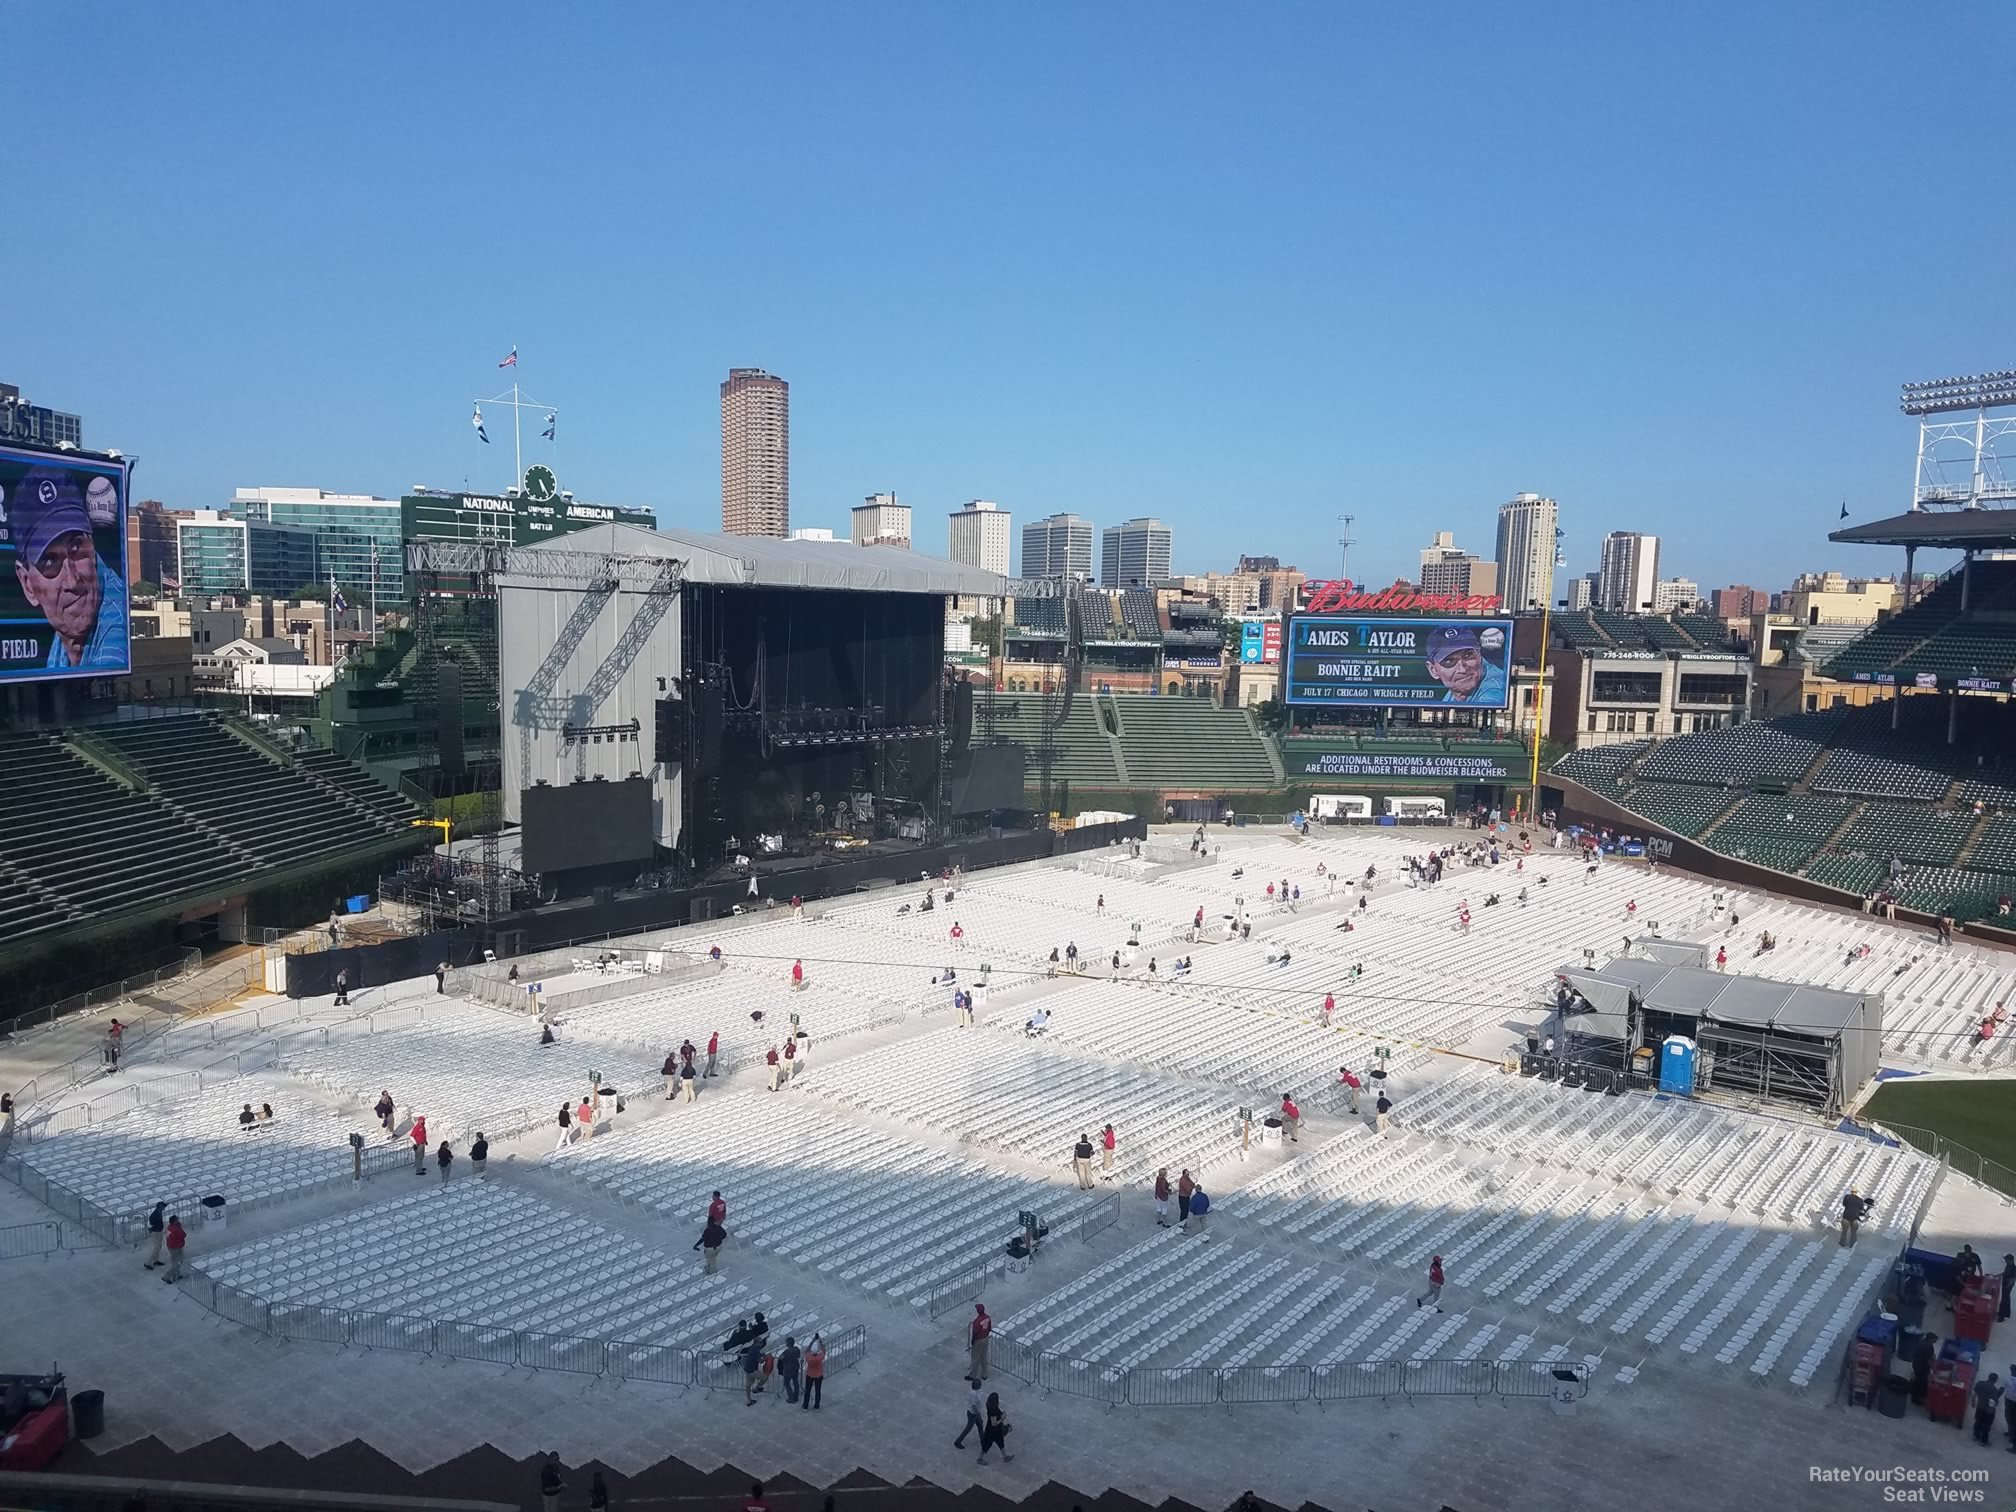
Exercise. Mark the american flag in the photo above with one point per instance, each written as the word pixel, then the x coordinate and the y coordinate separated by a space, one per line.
pixel 512 360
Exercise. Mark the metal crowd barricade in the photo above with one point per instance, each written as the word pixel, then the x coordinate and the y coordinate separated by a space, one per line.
pixel 667 1364
pixel 392 1331
pixel 544 1351
pixel 308 1324
pixel 1264 1383
pixel 847 1348
pixel 1448 1377
pixel 1010 1358
pixel 476 1341
pixel 957 1292
pixel 20 1240
pixel 1177 1386
pixel 716 1372
pixel 1081 1378
pixel 1101 1218
pixel 241 1307
pixel 1355 1379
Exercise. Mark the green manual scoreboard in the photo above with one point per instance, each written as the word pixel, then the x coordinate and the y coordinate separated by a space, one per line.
pixel 535 512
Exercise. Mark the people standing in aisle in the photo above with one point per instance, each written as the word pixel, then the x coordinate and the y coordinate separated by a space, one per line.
pixel 1184 1188
pixel 385 1108
pixel 175 1238
pixel 975 1418
pixel 1162 1198
pixel 1350 1082
pixel 815 1373
pixel 1071 957
pixel 441 979
pixel 689 1081
pixel 1107 1140
pixel 797 975
pixel 712 1237
pixel 1379 1111
pixel 1199 1218
pixel 566 1127
pixel 419 1138
pixel 584 1120
pixel 687 1053
pixel 978 1332
pixel 751 1361
pixel 1099 906
pixel 717 1208
pixel 790 1056
pixel 713 1050
pixel 343 988
pixel 1329 1007
pixel 157 1226
pixel 1987 1395
pixel 479 1156
pixel 775 1063
pixel 550 1483
pixel 790 1363
pixel 1081 1163
pixel 670 1071
pixel 1853 1207
pixel 1291 1119
pixel 444 1160
pixel 2008 1281
pixel 994 1429
pixel 1434 1292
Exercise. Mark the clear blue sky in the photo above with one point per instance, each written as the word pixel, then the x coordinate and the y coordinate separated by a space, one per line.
pixel 1242 267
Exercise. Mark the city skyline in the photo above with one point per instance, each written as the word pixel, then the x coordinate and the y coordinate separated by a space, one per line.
pixel 1705 343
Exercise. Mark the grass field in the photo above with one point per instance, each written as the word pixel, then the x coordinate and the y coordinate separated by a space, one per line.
pixel 1979 1115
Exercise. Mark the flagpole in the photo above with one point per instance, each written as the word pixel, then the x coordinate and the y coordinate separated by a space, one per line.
pixel 517 446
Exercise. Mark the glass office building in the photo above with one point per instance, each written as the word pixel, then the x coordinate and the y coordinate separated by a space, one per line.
pixel 350 530
pixel 220 554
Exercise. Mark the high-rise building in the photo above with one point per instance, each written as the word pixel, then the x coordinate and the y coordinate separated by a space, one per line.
pixel 219 554
pixel 1739 601
pixel 1134 554
pixel 1447 568
pixel 879 520
pixel 1628 574
pixel 357 536
pixel 980 535
pixel 1058 545
pixel 1669 594
pixel 1527 526
pixel 151 553
pixel 36 424
pixel 1581 591
pixel 755 454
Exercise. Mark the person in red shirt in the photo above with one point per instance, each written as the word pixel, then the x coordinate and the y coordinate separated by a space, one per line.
pixel 790 1055
pixel 1329 1007
pixel 177 1237
pixel 584 1120
pixel 1106 1142
pixel 977 1334
pixel 1291 1118
pixel 1434 1292
pixel 713 1049
pixel 1351 1084
pixel 1162 1198
pixel 771 1060
pixel 797 974
pixel 754 1502
pixel 958 932
pixel 717 1210
pixel 815 1374
pixel 419 1137
pixel 1721 957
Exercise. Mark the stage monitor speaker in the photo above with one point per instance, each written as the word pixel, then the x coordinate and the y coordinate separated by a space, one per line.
pixel 670 749
pixel 962 718
pixel 448 720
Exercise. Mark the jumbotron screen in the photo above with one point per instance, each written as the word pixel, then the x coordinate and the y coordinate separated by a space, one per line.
pixel 62 566
pixel 1348 662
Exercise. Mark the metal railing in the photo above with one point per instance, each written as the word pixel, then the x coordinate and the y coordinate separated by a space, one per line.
pixel 1101 1218
pixel 1203 1386
pixel 20 1240
pixel 957 1291
pixel 98 997
pixel 529 1349
pixel 1958 1157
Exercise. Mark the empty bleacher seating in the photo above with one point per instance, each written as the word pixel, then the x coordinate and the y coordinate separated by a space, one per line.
pixel 1168 742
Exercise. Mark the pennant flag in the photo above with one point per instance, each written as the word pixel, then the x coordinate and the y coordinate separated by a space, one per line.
pixel 477 421
pixel 512 360
pixel 552 423
pixel 1844 509
pixel 339 603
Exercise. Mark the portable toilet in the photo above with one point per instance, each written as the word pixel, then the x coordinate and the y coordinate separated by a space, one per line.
pixel 1676 1065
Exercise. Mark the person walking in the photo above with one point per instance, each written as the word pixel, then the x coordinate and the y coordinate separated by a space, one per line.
pixel 790 1057
pixel 441 979
pixel 444 1157
pixel 584 1120
pixel 1199 1219
pixel 419 1138
pixel 1352 1085
pixel 1081 1163
pixel 1162 1198
pixel 156 1227
pixel 1329 1007
pixel 815 1374
pixel 1434 1292
pixel 385 1108
pixel 1987 1396
pixel 713 1051
pixel 775 1063
pixel 717 1208
pixel 752 1367
pixel 994 1427
pixel 978 1332
pixel 1185 1187
pixel 479 1155
pixel 175 1238
pixel 712 1237
pixel 550 1482
pixel 343 988
pixel 1291 1119
pixel 2008 1281
pixel 976 1414
pixel 670 1071
pixel 689 1083
pixel 1106 1142
pixel 566 1127
pixel 790 1365
pixel 1853 1207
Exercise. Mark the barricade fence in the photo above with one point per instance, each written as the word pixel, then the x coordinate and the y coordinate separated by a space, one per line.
pixel 527 1349
pixel 20 1240
pixel 1206 1385
pixel 969 1286
pixel 1101 1218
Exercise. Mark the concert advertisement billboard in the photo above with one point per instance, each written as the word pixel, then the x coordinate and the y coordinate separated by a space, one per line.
pixel 1260 642
pixel 62 566
pixel 1348 662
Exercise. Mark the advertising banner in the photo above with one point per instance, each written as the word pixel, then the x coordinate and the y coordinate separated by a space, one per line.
pixel 1398 663
pixel 62 566
pixel 1372 765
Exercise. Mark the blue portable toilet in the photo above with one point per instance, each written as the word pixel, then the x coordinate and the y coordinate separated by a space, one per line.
pixel 1676 1065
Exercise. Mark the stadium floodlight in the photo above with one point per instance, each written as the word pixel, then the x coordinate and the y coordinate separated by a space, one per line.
pixel 1977 391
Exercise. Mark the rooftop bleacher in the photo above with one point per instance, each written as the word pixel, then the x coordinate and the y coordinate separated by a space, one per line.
pixel 1139 615
pixel 1170 742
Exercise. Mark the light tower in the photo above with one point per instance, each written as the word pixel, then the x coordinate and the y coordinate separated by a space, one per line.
pixel 1958 462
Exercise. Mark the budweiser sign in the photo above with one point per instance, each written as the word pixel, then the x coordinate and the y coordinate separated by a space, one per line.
pixel 1342 596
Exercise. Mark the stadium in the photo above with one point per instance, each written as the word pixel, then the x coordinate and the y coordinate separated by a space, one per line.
pixel 782 913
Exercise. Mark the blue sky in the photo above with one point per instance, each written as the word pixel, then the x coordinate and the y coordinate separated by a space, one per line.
pixel 1246 268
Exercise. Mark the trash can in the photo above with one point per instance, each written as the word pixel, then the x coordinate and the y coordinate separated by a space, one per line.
pixel 1564 1392
pixel 1895 1392
pixel 87 1413
pixel 213 1210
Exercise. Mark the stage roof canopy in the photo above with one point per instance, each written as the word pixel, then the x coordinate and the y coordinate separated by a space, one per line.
pixel 765 562
pixel 1950 529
